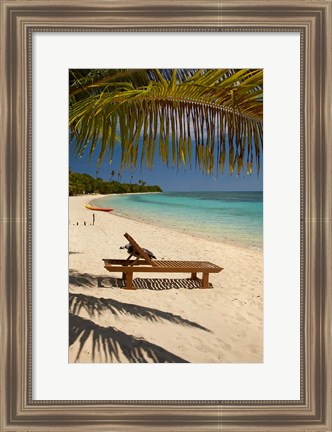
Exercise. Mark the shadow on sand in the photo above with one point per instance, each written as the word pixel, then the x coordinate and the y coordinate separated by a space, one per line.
pixel 96 306
pixel 115 344
pixel 158 284
pixel 110 343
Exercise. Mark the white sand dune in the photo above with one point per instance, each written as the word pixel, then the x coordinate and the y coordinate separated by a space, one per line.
pixel 166 319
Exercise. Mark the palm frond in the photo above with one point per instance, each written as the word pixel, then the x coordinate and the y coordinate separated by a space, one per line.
pixel 165 112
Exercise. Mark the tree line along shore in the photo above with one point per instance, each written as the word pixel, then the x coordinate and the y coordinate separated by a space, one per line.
pixel 86 184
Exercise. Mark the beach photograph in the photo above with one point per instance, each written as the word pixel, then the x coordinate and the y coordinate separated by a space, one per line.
pixel 165 222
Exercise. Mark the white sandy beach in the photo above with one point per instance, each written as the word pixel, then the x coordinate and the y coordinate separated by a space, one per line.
pixel 161 321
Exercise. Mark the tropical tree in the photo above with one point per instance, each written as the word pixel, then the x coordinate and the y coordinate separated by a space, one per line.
pixel 205 115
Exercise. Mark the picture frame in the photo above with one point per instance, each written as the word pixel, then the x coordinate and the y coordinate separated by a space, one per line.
pixel 19 19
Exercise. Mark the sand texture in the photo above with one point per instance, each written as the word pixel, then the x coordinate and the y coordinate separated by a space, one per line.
pixel 168 318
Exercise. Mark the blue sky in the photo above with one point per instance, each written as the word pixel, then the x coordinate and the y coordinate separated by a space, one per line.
pixel 169 179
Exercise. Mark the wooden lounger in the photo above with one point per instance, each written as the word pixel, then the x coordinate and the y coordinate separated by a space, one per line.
pixel 143 263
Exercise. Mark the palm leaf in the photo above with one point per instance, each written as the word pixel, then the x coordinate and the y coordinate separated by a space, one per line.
pixel 161 108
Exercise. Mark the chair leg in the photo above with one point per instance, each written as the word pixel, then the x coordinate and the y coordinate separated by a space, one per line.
pixel 129 282
pixel 193 276
pixel 205 280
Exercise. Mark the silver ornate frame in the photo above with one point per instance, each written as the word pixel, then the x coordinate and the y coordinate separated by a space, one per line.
pixel 19 19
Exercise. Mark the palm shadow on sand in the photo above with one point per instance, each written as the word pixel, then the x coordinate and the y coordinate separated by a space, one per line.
pixel 108 342
pixel 95 306
pixel 115 344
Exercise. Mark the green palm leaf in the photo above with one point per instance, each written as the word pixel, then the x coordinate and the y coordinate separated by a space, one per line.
pixel 221 110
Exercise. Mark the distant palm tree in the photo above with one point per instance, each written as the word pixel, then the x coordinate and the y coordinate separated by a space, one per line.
pixel 205 114
pixel 95 185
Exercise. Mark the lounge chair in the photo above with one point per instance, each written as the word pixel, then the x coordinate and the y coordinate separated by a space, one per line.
pixel 143 263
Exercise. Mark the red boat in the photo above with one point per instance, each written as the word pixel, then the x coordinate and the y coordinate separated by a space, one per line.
pixel 105 209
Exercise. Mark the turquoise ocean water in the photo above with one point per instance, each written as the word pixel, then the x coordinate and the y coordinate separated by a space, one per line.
pixel 230 217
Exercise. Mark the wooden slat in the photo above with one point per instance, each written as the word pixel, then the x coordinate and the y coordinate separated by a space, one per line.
pixel 123 262
pixel 192 264
pixel 166 267
pixel 139 250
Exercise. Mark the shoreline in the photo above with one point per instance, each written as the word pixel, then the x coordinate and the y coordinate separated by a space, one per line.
pixel 194 235
pixel 223 324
